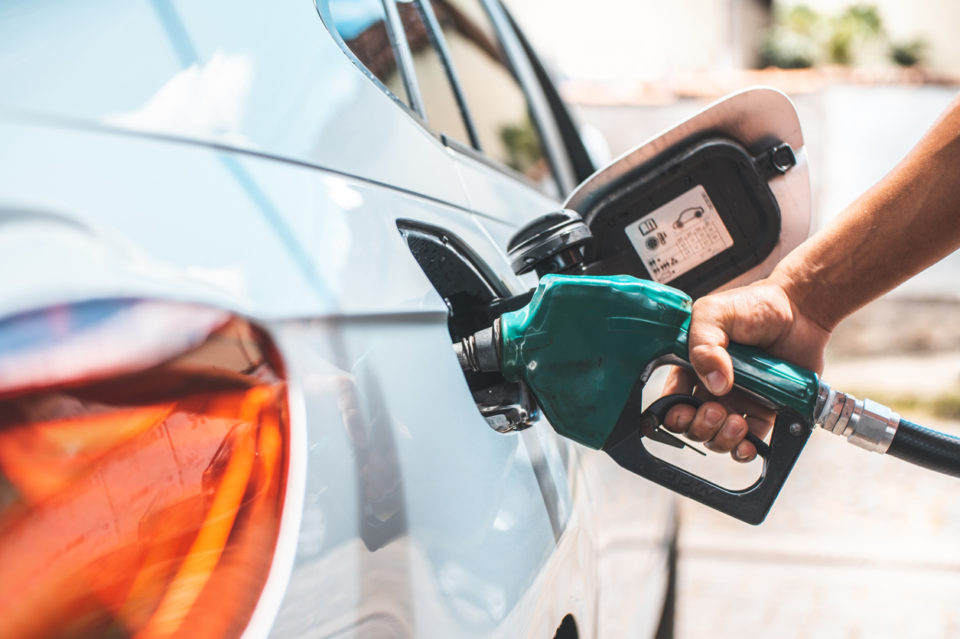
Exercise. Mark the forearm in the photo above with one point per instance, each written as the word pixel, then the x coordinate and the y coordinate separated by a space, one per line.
pixel 905 223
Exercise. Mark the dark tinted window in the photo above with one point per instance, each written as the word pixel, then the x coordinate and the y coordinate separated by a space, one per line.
pixel 497 104
pixel 443 111
pixel 362 25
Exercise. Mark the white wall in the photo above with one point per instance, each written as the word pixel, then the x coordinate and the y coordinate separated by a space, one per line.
pixel 631 40
pixel 610 40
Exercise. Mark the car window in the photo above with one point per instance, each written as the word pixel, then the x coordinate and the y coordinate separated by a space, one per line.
pixel 496 102
pixel 582 162
pixel 443 111
pixel 362 26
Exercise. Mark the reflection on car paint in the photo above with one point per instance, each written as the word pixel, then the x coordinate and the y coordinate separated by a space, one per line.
pixel 306 100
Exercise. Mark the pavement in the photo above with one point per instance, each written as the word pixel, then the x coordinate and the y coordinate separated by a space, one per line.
pixel 858 545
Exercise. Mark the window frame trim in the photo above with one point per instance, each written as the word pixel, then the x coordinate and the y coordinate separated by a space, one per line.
pixel 438 40
pixel 401 47
pixel 537 105
pixel 582 163
pixel 519 65
pixel 540 111
pixel 323 10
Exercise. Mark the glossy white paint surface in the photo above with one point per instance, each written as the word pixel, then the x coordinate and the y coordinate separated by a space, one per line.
pixel 391 430
pixel 175 156
pixel 257 76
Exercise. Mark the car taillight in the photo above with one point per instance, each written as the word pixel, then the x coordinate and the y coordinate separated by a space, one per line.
pixel 140 496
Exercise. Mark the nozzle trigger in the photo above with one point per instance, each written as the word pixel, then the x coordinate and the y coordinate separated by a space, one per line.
pixel 652 419
pixel 751 504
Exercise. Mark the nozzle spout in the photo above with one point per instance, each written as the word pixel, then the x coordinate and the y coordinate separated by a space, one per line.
pixel 480 352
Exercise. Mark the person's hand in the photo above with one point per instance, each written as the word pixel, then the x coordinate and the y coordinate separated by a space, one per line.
pixel 762 315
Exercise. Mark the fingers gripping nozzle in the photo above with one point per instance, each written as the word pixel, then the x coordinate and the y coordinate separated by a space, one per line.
pixel 480 352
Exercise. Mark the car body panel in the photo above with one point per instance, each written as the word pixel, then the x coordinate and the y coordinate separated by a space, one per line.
pixel 290 213
pixel 498 195
pixel 406 514
pixel 263 77
pixel 399 524
pixel 365 336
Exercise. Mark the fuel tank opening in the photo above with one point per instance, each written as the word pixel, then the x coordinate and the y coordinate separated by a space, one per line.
pixel 474 297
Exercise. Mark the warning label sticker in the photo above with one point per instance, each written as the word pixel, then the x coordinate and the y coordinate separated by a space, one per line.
pixel 680 235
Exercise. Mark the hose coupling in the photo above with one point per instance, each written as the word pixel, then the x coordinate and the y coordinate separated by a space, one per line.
pixel 480 352
pixel 864 422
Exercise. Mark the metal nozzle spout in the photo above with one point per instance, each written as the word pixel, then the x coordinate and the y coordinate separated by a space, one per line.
pixel 480 352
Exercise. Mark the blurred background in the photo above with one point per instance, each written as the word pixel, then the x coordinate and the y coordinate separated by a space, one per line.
pixel 858 545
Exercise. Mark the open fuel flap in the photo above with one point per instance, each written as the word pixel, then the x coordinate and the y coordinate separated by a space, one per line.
pixel 475 296
pixel 714 202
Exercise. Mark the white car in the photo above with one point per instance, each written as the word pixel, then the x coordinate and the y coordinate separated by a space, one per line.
pixel 237 241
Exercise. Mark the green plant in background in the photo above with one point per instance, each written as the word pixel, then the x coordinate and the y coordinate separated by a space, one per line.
pixel 800 37
pixel 522 145
pixel 909 53
pixel 793 40
pixel 850 30
pixel 944 404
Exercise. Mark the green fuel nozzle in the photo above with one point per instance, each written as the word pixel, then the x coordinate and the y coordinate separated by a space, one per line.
pixel 582 343
pixel 585 346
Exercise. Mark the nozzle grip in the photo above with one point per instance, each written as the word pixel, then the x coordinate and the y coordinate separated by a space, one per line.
pixel 774 382
pixel 751 505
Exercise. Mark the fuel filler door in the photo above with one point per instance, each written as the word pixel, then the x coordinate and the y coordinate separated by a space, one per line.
pixel 714 202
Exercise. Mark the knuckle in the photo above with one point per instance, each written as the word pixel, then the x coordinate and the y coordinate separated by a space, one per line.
pixel 678 418
pixel 758 317
pixel 744 452
pixel 698 431
pixel 702 355
pixel 707 307
pixel 702 350
pixel 707 422
pixel 709 323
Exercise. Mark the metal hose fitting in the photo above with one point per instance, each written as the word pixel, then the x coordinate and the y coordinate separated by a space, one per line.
pixel 865 423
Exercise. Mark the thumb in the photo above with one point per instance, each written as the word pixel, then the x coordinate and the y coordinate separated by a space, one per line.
pixel 708 339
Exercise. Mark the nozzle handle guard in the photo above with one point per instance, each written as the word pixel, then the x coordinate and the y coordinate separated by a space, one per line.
pixel 751 505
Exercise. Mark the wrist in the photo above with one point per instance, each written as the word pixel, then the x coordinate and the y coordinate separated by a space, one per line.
pixel 809 293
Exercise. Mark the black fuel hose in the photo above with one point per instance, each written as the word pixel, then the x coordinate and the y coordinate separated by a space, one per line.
pixel 927 448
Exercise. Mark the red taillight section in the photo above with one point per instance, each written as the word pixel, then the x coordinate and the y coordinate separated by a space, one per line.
pixel 147 504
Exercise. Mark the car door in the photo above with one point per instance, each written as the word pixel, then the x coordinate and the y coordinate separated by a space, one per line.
pixel 482 96
pixel 535 586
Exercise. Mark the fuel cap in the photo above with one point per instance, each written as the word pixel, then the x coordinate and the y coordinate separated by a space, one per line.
pixel 552 243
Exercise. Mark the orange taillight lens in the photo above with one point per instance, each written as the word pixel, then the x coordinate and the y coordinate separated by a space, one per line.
pixel 146 504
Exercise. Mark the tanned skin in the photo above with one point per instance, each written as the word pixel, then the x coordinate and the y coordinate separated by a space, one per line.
pixel 906 222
